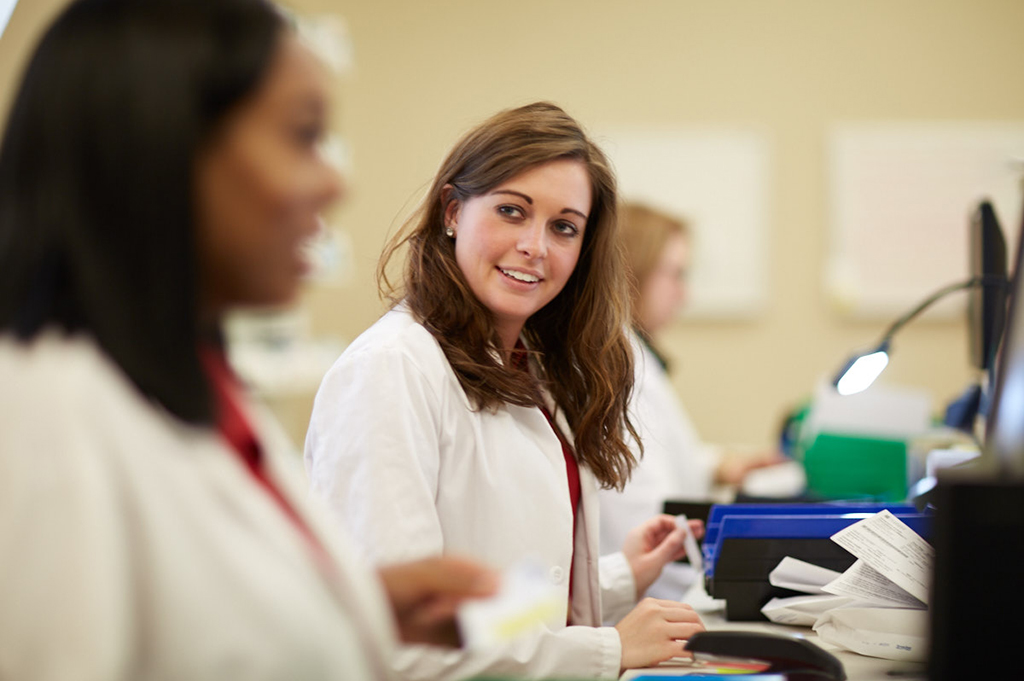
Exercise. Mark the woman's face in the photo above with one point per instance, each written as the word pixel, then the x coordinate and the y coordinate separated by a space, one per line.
pixel 518 244
pixel 262 184
pixel 664 292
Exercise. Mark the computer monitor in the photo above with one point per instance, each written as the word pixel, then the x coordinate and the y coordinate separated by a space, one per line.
pixel 1004 432
pixel 986 304
pixel 979 525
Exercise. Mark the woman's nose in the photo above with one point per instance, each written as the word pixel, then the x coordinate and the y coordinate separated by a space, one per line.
pixel 533 241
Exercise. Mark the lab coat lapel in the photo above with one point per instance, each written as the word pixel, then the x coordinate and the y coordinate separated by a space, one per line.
pixel 586 601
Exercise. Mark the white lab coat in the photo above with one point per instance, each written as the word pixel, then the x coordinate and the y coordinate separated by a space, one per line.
pixel 404 460
pixel 675 465
pixel 133 546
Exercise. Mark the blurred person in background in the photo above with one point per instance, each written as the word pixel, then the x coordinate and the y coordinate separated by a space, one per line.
pixel 676 463
pixel 160 167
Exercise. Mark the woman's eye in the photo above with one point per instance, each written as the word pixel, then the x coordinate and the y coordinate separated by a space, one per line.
pixel 308 135
pixel 510 211
pixel 566 228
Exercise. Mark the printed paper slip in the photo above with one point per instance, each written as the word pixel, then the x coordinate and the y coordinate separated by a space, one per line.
pixel 863 582
pixel 884 543
pixel 690 543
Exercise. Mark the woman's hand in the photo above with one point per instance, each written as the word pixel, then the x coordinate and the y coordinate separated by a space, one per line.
pixel 425 595
pixel 733 469
pixel 655 631
pixel 652 544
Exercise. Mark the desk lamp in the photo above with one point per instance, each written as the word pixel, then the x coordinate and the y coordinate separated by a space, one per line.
pixel 861 370
pixel 985 311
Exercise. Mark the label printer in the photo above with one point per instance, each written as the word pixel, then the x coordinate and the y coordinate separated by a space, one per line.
pixel 745 542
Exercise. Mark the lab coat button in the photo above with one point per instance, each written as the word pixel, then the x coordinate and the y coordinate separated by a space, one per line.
pixel 556 575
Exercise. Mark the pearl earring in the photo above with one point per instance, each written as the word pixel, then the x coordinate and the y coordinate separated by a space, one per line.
pixel 450 232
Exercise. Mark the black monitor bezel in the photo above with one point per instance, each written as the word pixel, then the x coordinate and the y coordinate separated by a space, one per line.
pixel 1011 343
pixel 986 303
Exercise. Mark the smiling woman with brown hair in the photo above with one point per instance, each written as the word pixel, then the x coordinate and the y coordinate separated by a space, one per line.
pixel 481 413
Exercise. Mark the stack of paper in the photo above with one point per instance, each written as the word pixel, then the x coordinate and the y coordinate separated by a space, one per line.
pixel 878 607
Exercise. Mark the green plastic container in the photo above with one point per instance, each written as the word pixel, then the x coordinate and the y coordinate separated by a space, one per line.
pixel 852 467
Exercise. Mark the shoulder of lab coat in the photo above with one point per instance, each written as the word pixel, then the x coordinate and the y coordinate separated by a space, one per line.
pixel 394 446
pixel 373 446
pixel 133 545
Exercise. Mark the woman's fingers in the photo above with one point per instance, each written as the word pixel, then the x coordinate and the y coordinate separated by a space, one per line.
pixel 683 610
pixel 651 632
pixel 425 595
pixel 697 528
pixel 682 631
pixel 409 584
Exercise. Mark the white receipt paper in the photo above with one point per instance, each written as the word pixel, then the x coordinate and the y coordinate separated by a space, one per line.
pixel 802 611
pixel 690 544
pixel 799 575
pixel 888 633
pixel 886 548
pixel 525 602
pixel 863 582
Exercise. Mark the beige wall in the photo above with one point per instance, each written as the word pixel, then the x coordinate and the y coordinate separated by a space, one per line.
pixel 425 71
pixel 27 21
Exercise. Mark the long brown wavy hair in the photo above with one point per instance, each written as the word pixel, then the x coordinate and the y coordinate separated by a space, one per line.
pixel 578 339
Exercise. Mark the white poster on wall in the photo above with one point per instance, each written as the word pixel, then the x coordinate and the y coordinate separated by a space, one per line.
pixel 717 180
pixel 901 199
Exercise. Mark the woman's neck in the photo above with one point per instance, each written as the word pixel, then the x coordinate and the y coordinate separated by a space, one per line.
pixel 508 335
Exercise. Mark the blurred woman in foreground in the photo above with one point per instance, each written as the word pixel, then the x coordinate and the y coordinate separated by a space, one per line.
pixel 160 166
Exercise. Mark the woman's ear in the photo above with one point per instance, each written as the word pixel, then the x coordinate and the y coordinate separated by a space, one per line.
pixel 451 205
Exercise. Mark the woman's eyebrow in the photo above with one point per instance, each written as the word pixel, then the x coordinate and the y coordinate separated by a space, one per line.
pixel 514 193
pixel 529 200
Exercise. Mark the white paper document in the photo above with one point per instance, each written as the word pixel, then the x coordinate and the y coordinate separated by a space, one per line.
pixel 884 543
pixel 798 575
pixel 889 633
pixel 864 582
pixel 802 611
pixel 878 606
pixel 525 602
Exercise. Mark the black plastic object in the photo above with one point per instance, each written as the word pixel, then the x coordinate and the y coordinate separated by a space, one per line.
pixel 977 600
pixel 986 304
pixel 795 657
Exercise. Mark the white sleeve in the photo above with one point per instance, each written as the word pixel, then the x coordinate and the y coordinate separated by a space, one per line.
pixel 373 453
pixel 65 579
pixel 618 587
pixel 570 653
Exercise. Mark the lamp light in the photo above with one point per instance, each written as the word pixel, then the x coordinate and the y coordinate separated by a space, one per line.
pixel 861 370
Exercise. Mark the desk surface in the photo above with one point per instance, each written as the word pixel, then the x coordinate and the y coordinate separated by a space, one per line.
pixel 858 667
